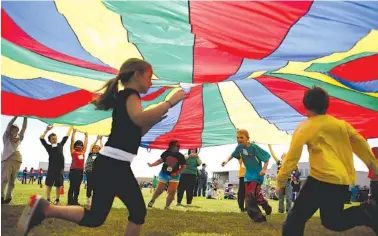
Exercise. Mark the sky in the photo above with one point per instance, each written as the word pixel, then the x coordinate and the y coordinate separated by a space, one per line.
pixel 33 152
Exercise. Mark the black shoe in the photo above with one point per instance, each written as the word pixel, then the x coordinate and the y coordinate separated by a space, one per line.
pixel 56 202
pixel 32 215
pixel 261 219
pixel 2 201
pixel 7 201
pixel 150 204
pixel 267 209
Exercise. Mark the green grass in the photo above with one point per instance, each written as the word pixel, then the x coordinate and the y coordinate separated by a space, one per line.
pixel 205 217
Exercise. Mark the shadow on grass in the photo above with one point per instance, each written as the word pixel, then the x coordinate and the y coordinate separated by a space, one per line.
pixel 168 223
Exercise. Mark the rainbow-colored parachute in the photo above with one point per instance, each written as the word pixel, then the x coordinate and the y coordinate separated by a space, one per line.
pixel 244 64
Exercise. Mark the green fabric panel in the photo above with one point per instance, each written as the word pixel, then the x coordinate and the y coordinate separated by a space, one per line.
pixel 218 128
pixel 162 33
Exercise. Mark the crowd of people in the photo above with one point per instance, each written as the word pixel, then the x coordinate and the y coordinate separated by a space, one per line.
pixel 331 143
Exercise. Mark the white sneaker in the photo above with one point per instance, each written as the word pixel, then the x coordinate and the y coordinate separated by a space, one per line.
pixel 32 215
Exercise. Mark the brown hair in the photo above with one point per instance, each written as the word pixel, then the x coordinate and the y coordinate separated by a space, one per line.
pixel 107 100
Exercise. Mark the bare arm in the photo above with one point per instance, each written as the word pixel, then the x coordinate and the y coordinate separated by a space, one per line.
pixel 23 129
pixel 7 131
pixel 227 161
pixel 49 127
pixel 145 119
pixel 69 131
pixel 101 144
pixel 73 140
pixel 156 163
pixel 85 142
pixel 272 153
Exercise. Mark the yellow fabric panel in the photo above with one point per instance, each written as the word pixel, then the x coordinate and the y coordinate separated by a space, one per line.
pixel 16 70
pixel 244 116
pixel 99 31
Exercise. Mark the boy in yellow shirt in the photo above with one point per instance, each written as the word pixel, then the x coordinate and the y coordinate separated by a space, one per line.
pixel 331 144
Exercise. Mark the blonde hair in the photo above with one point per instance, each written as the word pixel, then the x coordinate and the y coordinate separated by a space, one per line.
pixel 243 132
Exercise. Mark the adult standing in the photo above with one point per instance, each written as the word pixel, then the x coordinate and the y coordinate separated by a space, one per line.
pixel 202 181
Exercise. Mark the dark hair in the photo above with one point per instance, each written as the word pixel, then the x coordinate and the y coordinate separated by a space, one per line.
pixel 316 100
pixel 172 144
pixel 78 142
pixel 191 149
pixel 50 136
pixel 107 100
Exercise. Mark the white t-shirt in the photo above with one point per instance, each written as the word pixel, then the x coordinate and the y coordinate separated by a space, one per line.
pixel 11 147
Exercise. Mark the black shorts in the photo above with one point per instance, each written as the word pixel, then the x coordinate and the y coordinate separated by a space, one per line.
pixel 54 178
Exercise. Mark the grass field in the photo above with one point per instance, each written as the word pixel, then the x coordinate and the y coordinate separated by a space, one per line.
pixel 205 217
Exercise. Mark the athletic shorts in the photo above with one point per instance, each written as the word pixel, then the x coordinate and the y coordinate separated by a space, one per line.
pixel 165 178
pixel 54 178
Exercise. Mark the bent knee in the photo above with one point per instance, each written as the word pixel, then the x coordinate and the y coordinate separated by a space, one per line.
pixel 138 216
pixel 92 220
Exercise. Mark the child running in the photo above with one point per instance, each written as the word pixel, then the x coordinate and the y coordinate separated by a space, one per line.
pixel 89 167
pixel 173 164
pixel 11 158
pixel 252 156
pixel 56 162
pixel 331 143
pixel 112 169
pixel 77 168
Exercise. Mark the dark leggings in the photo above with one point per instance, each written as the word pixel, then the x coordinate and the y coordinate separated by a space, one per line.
pixel 186 184
pixel 241 194
pixel 329 198
pixel 113 177
pixel 76 176
pixel 89 183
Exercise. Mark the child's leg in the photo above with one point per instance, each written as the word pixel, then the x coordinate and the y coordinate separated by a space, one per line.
pixel 131 195
pixel 306 204
pixel 189 188
pixel 12 180
pixel 159 190
pixel 253 209
pixel 333 215
pixel 288 193
pixel 241 194
pixel 172 187
pixel 71 188
pixel 181 188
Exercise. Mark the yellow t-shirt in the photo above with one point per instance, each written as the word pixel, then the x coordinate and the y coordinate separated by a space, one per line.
pixel 242 168
pixel 331 143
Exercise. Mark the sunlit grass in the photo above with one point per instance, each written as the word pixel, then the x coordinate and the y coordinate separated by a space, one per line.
pixel 205 217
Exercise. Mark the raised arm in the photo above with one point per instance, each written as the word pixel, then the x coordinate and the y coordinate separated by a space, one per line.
pixel 101 144
pixel 48 128
pixel 85 142
pixel 24 126
pixel 7 131
pixel 69 131
pixel 73 140
pixel 273 153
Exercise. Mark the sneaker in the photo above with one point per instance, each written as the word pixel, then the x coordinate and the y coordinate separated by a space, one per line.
pixel 189 204
pixel 262 219
pixel 7 201
pixel 151 203
pixel 32 215
pixel 56 202
pixel 267 208
pixel 167 208
pixel 178 204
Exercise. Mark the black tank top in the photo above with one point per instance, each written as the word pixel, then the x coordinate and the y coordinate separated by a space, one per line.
pixel 125 134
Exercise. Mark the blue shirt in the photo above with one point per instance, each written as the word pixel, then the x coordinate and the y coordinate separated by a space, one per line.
pixel 252 157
